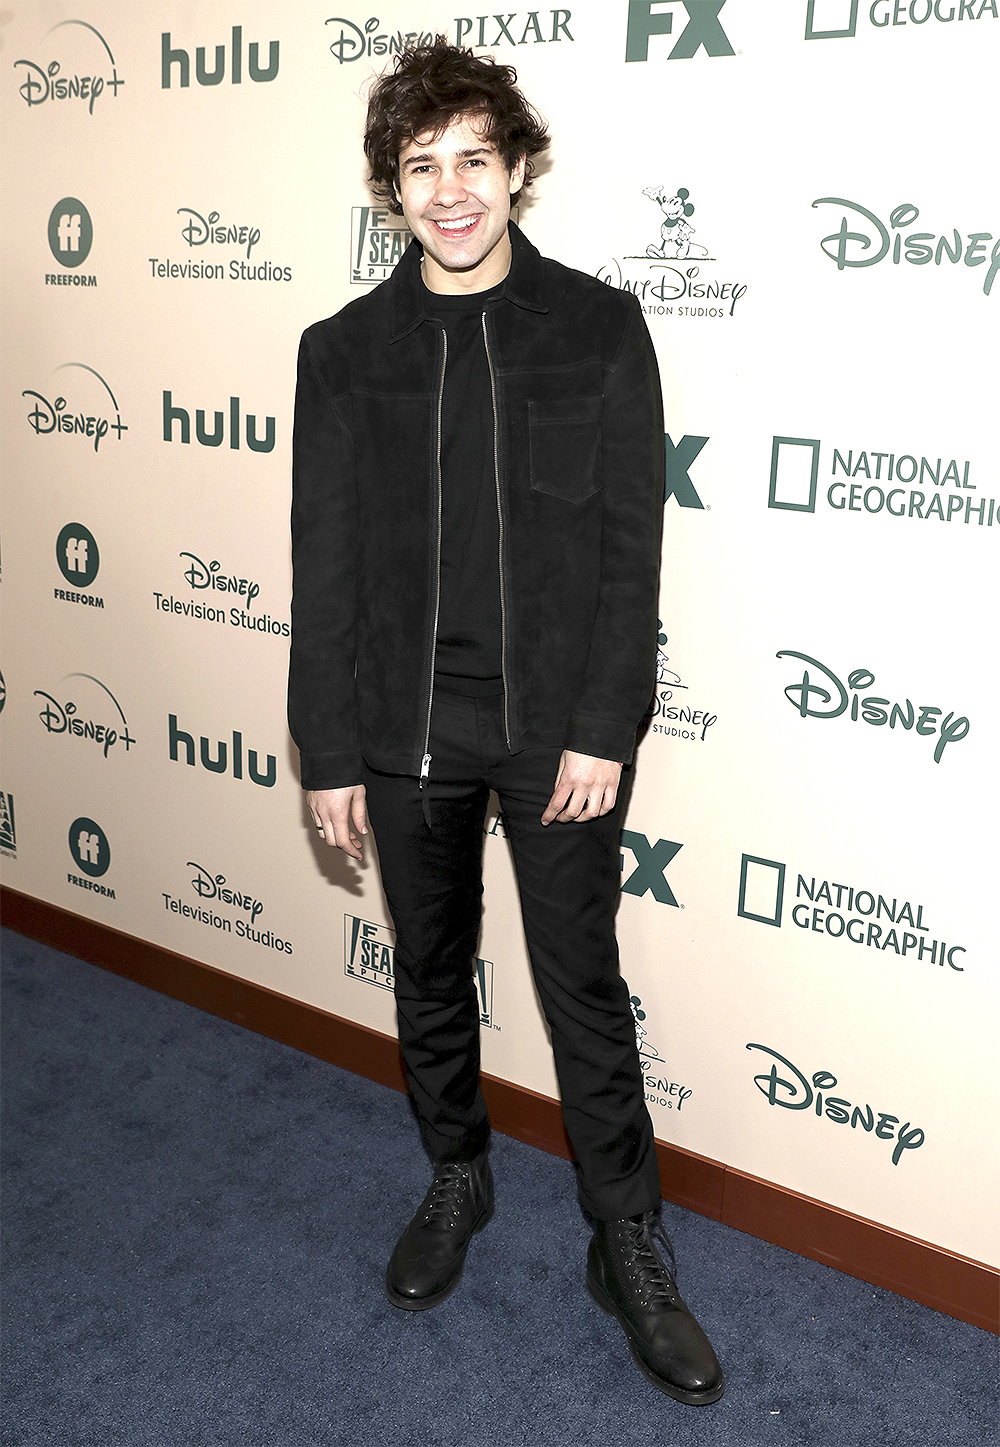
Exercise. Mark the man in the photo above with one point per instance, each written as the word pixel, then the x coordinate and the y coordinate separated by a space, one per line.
pixel 478 497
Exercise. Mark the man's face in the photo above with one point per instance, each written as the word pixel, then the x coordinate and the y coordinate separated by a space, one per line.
pixel 455 192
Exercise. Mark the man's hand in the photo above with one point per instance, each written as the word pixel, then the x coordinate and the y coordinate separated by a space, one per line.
pixel 586 788
pixel 339 815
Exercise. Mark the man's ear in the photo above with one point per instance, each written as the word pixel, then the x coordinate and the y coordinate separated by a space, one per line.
pixel 517 175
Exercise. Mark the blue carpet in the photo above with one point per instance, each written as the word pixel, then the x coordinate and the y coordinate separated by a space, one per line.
pixel 196 1226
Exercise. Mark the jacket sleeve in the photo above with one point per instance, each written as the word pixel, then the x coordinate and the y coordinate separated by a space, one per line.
pixel 322 705
pixel 621 663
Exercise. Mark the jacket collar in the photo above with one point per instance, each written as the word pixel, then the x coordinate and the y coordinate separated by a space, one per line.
pixel 407 291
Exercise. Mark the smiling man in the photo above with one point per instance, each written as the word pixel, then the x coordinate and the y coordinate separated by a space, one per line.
pixel 478 498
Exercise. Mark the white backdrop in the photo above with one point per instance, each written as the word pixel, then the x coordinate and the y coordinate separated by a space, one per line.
pixel 806 912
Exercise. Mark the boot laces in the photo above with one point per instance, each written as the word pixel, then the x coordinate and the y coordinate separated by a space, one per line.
pixel 656 1281
pixel 444 1201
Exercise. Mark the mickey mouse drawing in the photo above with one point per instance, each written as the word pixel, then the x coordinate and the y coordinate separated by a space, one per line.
pixel 675 233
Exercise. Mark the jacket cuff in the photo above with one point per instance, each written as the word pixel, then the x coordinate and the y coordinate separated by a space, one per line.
pixel 602 738
pixel 331 771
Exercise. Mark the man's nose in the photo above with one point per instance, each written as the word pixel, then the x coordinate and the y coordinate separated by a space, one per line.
pixel 450 189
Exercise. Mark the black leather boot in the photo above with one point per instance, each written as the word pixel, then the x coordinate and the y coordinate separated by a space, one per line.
pixel 627 1277
pixel 428 1258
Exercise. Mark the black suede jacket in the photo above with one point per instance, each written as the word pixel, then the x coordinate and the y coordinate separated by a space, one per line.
pixel 579 469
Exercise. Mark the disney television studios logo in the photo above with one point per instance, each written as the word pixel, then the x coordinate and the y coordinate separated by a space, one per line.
pixel 370 954
pixel 791 1090
pixel 841 912
pixel 211 231
pixel 98 718
pixel 868 482
pixel 670 269
pixel 832 699
pixel 659 1090
pixel 351 40
pixel 214 889
pixel 88 49
pixel 838 19
pixel 209 578
pixel 87 416
pixel 863 240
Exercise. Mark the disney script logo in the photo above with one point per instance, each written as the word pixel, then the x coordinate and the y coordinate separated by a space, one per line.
pixel 919 248
pixel 833 699
pixel 209 575
pixel 212 886
pixel 794 1092
pixel 199 230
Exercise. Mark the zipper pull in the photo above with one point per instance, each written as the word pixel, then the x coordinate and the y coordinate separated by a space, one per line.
pixel 425 769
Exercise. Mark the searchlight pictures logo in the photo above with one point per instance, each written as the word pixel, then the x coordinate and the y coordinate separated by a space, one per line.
pixel 370 953
pixel 84 71
pixel 8 826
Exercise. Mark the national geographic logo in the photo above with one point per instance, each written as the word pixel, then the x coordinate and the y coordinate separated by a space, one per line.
pixel 676 717
pixel 651 861
pixel 790 1089
pixel 88 416
pixel 209 578
pixel 369 955
pixel 91 853
pixel 79 558
pixel 659 1089
pixel 838 19
pixel 843 911
pixel 71 235
pixel 670 270
pixel 822 695
pixel 702 28
pixel 869 482
pixel 214 889
pixel 378 240
pixel 171 56
pixel 93 69
pixel 351 40
pixel 211 231
pixel 863 240
pixel 93 715
pixel 8 826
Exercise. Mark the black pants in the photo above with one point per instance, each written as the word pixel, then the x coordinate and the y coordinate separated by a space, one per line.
pixel 569 879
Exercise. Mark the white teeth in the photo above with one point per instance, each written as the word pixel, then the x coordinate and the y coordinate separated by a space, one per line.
pixel 463 225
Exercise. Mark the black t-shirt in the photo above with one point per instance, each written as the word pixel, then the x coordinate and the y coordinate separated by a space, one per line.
pixel 469 627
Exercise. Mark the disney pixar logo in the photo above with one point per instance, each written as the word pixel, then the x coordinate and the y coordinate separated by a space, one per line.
pixel 793 1091
pixel 823 696
pixel 351 41
pixel 41 83
pixel 851 248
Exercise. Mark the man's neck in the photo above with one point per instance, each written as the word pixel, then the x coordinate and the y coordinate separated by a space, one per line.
pixel 489 272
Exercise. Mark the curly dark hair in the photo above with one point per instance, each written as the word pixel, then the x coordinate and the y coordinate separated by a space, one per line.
pixel 430 87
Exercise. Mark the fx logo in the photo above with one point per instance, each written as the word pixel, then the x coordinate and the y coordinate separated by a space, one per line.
pixel 703 28
pixel 650 862
pixel 89 847
pixel 77 555
pixel 678 459
pixel 71 232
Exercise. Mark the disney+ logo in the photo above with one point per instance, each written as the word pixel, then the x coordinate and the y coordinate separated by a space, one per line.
pixel 47 83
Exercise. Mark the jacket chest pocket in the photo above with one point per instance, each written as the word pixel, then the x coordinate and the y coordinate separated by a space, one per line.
pixel 564 447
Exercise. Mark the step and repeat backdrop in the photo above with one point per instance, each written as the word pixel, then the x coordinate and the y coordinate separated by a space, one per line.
pixel 803 196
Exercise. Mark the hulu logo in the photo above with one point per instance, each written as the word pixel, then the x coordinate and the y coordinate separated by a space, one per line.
pixel 224 760
pixel 170 57
pixel 216 437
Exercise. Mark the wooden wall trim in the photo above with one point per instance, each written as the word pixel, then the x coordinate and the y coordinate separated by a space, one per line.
pixel 962 1288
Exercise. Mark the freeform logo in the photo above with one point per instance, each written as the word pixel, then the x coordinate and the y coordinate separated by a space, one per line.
pixel 651 861
pixel 658 1091
pixel 212 888
pixel 378 240
pixel 702 30
pixel 658 284
pixel 79 559
pixel 169 57
pixel 792 1091
pixel 215 438
pixel 918 249
pixel 47 418
pixel 838 19
pixel 71 235
pixel 8 826
pixel 198 230
pixel 841 912
pixel 867 482
pixel 676 720
pixel 41 83
pixel 100 719
pixel 219 765
pixel 350 40
pixel 370 953
pixel 833 698
pixel 91 853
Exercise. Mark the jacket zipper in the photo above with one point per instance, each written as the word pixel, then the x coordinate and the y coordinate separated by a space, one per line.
pixel 425 762
pixel 496 478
